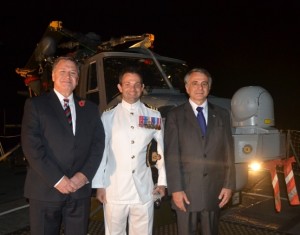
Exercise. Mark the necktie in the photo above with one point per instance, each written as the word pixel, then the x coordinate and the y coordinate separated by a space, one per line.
pixel 68 111
pixel 201 120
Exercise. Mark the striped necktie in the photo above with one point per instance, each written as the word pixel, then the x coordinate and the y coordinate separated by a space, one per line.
pixel 201 120
pixel 68 111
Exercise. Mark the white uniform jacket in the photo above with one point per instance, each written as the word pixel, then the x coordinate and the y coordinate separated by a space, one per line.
pixel 123 170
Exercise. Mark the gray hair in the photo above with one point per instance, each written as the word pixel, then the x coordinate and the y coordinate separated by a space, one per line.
pixel 198 70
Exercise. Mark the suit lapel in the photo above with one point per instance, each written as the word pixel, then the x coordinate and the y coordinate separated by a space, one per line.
pixel 192 119
pixel 79 114
pixel 212 115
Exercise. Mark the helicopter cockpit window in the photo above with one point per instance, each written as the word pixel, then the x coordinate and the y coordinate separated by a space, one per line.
pixel 91 86
pixel 152 77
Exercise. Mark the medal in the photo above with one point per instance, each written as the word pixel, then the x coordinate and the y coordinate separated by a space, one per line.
pixel 150 122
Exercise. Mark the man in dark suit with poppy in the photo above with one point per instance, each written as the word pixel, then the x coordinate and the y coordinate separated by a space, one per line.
pixel 199 163
pixel 63 155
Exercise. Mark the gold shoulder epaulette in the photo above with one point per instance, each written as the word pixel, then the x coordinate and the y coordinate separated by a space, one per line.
pixel 151 107
pixel 110 108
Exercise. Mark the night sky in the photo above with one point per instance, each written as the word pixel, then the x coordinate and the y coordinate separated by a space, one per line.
pixel 241 44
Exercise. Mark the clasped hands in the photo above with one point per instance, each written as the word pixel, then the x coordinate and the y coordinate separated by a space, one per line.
pixel 71 185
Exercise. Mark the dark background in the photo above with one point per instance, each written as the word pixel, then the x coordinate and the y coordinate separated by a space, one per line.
pixel 241 43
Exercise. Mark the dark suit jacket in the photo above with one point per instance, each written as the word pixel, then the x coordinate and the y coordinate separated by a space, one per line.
pixel 199 166
pixel 52 150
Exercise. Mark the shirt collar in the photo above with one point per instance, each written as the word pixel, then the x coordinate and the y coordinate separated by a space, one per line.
pixel 194 106
pixel 61 97
pixel 129 107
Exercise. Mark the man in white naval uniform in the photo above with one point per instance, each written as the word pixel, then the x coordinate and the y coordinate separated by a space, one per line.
pixel 124 181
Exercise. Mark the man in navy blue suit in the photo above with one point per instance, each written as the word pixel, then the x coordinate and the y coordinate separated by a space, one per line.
pixel 62 157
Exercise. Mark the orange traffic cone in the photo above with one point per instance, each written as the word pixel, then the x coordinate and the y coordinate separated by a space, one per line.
pixel 290 181
pixel 271 166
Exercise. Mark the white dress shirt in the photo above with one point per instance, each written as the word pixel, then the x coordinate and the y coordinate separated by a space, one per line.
pixel 204 110
pixel 72 107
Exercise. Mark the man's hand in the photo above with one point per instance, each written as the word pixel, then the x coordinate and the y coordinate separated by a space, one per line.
pixel 101 195
pixel 180 199
pixel 66 186
pixel 161 189
pixel 225 196
pixel 79 179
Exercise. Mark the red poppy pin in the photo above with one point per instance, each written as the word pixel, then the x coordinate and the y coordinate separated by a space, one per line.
pixel 81 103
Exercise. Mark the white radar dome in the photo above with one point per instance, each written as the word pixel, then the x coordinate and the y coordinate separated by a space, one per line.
pixel 252 106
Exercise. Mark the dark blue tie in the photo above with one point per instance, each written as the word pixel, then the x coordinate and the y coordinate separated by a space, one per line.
pixel 201 120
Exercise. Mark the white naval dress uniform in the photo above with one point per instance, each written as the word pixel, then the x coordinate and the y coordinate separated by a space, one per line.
pixel 123 170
